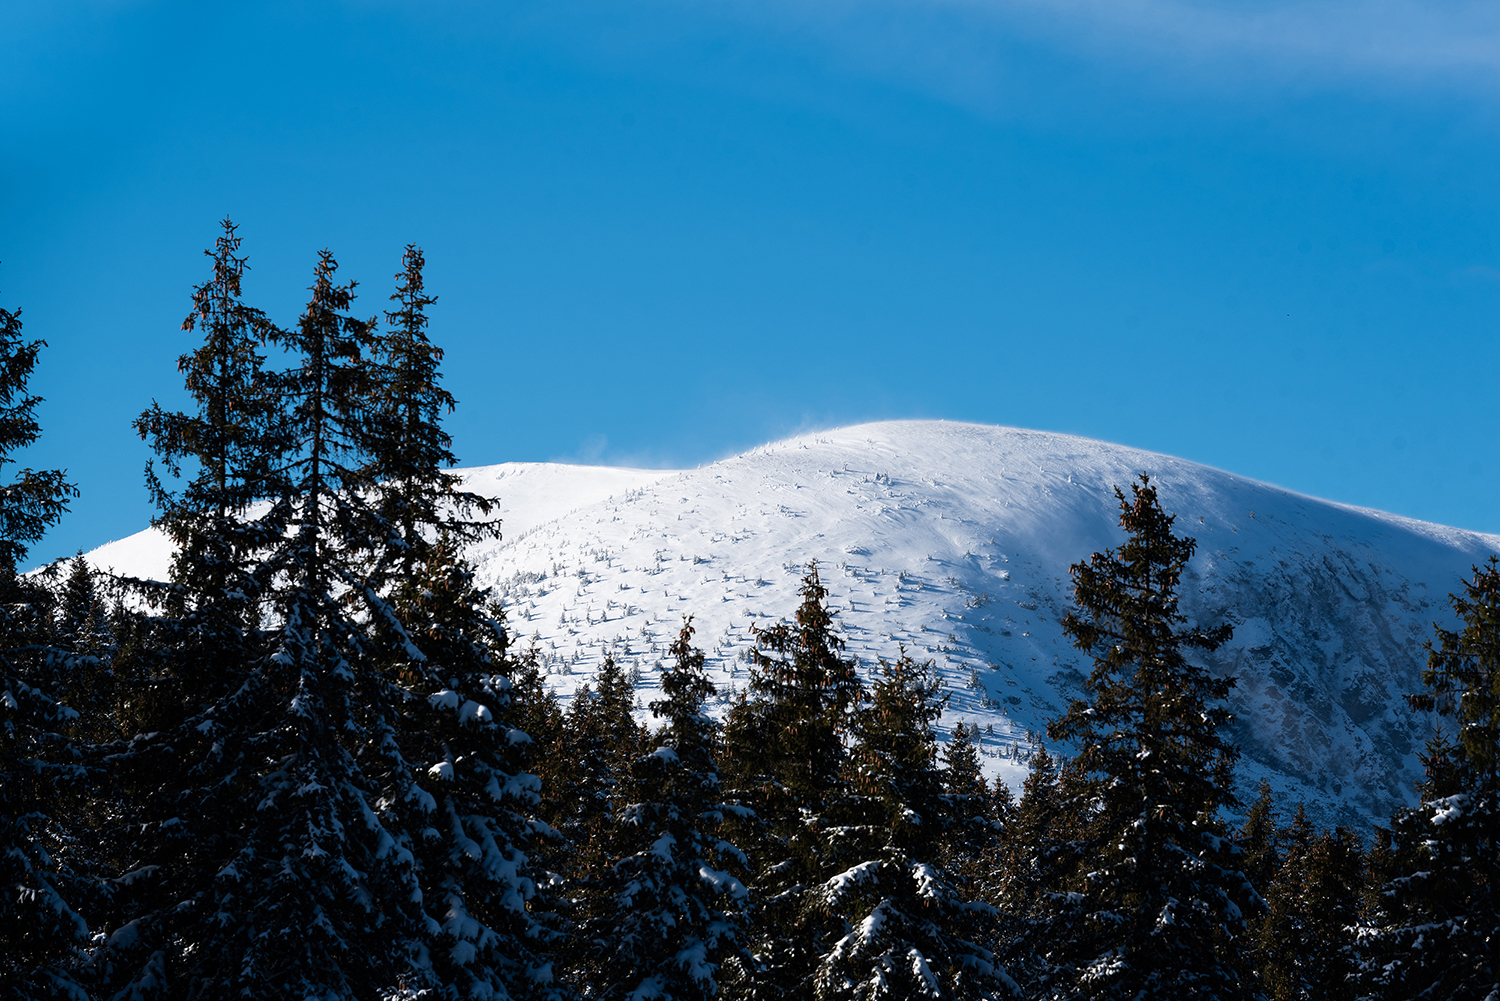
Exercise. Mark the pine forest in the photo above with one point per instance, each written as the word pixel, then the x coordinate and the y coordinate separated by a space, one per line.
pixel 315 761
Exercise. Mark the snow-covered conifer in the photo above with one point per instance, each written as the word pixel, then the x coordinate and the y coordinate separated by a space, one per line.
pixel 971 838
pixel 41 934
pixel 1436 929
pixel 82 614
pixel 456 791
pixel 1258 839
pixel 451 765
pixel 193 702
pixel 1307 935
pixel 785 759
pixel 672 924
pixel 409 452
pixel 1040 845
pixel 262 868
pixel 591 762
pixel 1162 896
pixel 1279 951
pixel 907 933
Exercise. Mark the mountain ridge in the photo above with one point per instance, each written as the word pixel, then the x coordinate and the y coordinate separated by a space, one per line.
pixel 953 540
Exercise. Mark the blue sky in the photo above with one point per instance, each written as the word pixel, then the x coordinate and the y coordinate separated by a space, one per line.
pixel 1259 236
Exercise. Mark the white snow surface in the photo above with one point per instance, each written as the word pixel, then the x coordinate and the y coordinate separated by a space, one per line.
pixel 954 541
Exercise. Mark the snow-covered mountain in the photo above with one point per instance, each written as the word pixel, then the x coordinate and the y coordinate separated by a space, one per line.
pixel 954 541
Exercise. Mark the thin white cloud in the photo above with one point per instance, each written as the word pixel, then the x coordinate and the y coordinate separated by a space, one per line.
pixel 1447 37
pixel 962 43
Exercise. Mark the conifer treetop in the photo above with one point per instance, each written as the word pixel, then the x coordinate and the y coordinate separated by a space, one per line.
pixel 1161 903
pixel 1147 698
pixel 232 438
pixel 34 499
pixel 410 449
pixel 1463 671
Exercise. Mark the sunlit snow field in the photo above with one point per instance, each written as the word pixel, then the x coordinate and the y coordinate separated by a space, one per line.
pixel 954 541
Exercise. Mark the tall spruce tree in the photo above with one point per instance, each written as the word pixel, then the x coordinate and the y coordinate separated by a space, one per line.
pixel 1040 846
pixel 42 936
pixel 1258 838
pixel 82 616
pixel 1164 900
pixel 273 873
pixel 1283 928
pixel 333 797
pixel 1308 935
pixel 598 743
pixel 194 700
pixel 34 499
pixel 83 635
pixel 453 767
pixel 410 452
pixel 83 640
pixel 786 756
pixel 584 798
pixel 970 845
pixel 1437 930
pixel 907 932
pixel 674 924
pixel 457 794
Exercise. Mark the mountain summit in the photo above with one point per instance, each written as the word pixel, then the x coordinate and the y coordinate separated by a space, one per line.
pixel 954 541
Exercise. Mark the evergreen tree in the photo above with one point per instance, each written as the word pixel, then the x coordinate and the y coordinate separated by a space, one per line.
pixel 1258 839
pixel 82 615
pixel 1002 802
pixel 587 791
pixel 1040 846
pixel 193 705
pixel 1383 862
pixel 317 878
pixel 971 841
pixel 599 741
pixel 33 499
pixel 1437 932
pixel 1284 927
pixel 961 774
pixel 82 634
pixel 1036 821
pixel 458 795
pixel 334 802
pixel 1334 869
pixel 42 936
pixel 409 450
pixel 907 933
pixel 83 648
pixel 1163 895
pixel 676 913
pixel 1307 937
pixel 455 777
pixel 537 712
pixel 786 756
pixel 265 870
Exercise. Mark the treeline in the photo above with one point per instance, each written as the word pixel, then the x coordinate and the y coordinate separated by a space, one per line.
pixel 312 764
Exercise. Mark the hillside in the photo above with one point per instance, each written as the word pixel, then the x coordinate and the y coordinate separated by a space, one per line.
pixel 954 540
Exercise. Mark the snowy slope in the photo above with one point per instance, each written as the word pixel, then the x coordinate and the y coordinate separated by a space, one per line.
pixel 954 540
pixel 528 494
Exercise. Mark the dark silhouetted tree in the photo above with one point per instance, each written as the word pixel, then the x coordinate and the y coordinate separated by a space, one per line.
pixel 1163 897
pixel 786 757
pixel 409 452
pixel 1436 932
pixel 42 936
pixel 907 932
pixel 675 913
